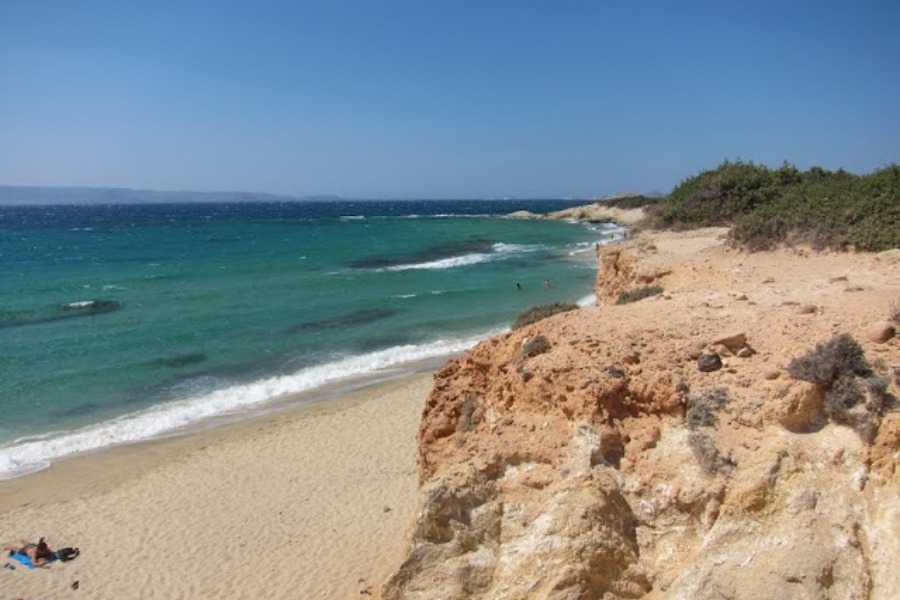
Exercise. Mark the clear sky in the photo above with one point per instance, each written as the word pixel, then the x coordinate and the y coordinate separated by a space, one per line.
pixel 440 98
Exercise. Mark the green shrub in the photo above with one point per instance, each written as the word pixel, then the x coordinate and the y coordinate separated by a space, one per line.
pixel 629 202
pixel 767 207
pixel 541 311
pixel 720 196
pixel 638 294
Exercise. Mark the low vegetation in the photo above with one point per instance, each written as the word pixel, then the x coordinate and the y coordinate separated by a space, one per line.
pixel 701 412
pixel 629 202
pixel 841 356
pixel 854 396
pixel 707 454
pixel 768 207
pixel 638 294
pixel 539 344
pixel 541 311
pixel 703 406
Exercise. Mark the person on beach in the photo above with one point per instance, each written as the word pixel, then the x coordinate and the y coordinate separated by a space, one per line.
pixel 39 554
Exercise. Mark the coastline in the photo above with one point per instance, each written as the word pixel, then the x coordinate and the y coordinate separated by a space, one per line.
pixel 316 502
pixel 125 383
pixel 229 405
pixel 312 501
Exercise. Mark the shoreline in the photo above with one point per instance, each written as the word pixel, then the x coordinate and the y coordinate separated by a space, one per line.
pixel 173 402
pixel 103 436
pixel 312 500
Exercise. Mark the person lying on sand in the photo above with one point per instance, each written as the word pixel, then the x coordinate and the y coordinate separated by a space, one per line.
pixel 40 553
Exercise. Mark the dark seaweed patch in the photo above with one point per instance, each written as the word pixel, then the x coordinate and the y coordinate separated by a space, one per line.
pixel 179 360
pixel 360 317
pixel 82 409
pixel 59 313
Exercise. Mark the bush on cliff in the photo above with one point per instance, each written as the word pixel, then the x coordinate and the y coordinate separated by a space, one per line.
pixel 853 395
pixel 724 194
pixel 703 406
pixel 541 311
pixel 638 294
pixel 840 356
pixel 767 207
pixel 707 454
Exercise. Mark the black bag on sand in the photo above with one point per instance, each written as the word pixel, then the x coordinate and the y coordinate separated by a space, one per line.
pixel 66 554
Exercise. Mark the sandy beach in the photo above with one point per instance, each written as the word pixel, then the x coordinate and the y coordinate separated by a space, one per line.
pixel 310 503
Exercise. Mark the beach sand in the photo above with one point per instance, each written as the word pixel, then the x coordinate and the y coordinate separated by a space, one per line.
pixel 310 503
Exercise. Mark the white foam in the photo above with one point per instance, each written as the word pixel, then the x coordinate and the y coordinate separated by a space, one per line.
pixel 511 248
pixel 32 454
pixel 499 251
pixel 444 263
pixel 590 300
pixel 81 304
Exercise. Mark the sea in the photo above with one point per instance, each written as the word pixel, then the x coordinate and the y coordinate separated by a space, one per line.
pixel 123 323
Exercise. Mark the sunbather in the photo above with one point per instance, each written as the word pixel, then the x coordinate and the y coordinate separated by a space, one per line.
pixel 39 554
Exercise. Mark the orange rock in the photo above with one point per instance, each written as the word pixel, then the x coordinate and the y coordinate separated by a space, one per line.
pixel 579 480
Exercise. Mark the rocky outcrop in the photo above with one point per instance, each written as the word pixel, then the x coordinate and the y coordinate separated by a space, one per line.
pixel 596 213
pixel 587 456
pixel 622 271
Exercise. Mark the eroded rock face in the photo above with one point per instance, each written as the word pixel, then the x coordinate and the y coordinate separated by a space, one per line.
pixel 605 465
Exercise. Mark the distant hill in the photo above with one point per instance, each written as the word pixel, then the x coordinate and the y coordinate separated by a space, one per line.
pixel 22 195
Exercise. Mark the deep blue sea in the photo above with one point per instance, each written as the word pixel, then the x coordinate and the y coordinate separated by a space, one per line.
pixel 126 322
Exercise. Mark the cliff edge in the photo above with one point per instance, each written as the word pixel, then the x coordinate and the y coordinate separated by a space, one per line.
pixel 733 436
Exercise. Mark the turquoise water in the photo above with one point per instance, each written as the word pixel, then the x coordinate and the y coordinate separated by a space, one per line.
pixel 120 323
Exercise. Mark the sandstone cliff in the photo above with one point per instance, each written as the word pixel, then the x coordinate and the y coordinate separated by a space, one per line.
pixel 588 456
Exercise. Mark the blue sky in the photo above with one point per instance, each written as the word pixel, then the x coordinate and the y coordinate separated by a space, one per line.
pixel 440 99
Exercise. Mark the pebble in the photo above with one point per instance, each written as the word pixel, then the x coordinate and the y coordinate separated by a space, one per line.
pixel 708 363
pixel 881 332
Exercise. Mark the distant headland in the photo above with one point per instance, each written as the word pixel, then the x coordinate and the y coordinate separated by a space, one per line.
pixel 20 195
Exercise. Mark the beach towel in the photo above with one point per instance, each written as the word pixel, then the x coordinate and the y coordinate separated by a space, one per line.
pixel 22 559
